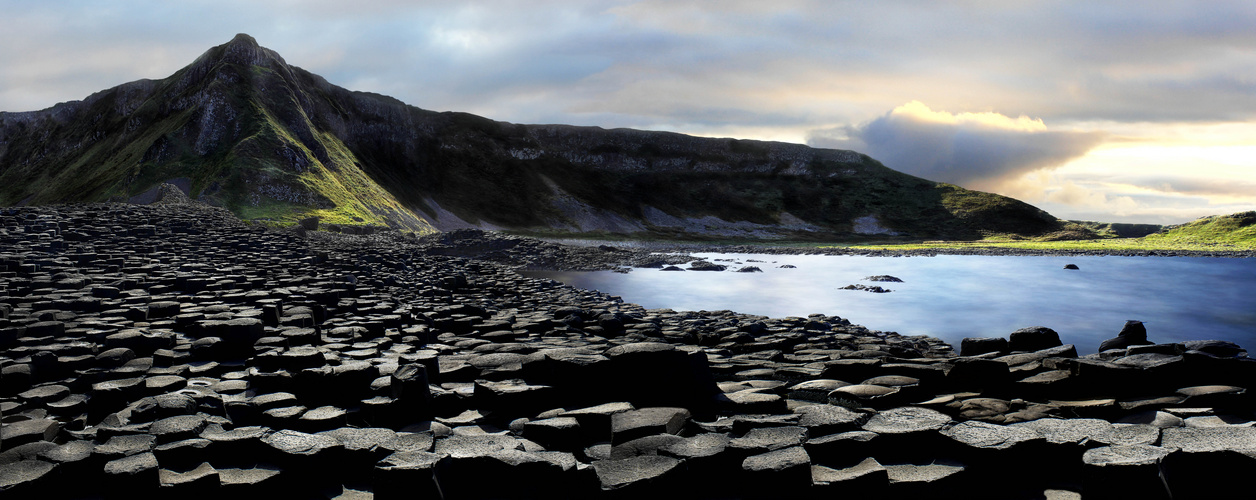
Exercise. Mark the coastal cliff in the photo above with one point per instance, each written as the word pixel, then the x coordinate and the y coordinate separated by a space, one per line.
pixel 242 129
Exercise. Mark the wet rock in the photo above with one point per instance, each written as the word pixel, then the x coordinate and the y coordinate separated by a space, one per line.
pixel 1034 338
pixel 1133 333
pixel 973 346
pixel 702 265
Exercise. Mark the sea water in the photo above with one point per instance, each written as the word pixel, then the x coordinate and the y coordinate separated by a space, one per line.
pixel 953 297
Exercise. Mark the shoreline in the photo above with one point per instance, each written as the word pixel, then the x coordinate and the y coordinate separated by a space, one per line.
pixel 175 350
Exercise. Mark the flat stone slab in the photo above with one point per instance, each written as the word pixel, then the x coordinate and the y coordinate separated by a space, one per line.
pixel 1125 455
pixel 770 438
pixel 815 390
pixel 907 420
pixel 868 469
pixel 1066 430
pixel 932 473
pixel 1128 434
pixel 989 436
pixel 617 474
pixel 299 443
pixel 777 460
pixel 22 472
pixel 702 445
pixel 1209 439
pixel 629 425
pixel 829 418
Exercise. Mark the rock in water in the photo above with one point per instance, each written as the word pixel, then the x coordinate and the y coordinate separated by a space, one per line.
pixel 1133 333
pixel 1034 338
pixel 1071 266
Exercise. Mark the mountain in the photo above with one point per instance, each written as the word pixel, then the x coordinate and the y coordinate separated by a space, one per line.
pixel 241 128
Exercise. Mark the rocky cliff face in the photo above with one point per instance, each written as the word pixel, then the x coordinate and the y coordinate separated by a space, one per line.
pixel 241 128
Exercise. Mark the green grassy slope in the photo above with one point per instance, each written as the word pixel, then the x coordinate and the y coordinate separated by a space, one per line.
pixel 1219 233
pixel 1235 230
pixel 233 123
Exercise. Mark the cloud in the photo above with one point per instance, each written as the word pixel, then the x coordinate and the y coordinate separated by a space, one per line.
pixel 974 150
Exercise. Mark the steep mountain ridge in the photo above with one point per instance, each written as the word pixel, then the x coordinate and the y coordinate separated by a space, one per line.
pixel 241 128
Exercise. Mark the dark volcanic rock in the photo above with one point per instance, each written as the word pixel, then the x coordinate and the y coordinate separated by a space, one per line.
pixel 1133 333
pixel 171 350
pixel 1034 338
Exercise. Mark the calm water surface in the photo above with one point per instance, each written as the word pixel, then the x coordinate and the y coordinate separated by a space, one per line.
pixel 952 297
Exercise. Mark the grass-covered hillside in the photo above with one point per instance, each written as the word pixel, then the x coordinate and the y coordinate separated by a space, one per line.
pixel 1219 233
pixel 241 128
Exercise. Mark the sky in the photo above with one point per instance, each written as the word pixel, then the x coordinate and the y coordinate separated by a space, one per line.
pixel 1112 111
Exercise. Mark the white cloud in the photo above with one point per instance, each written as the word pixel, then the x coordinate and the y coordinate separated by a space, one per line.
pixel 980 150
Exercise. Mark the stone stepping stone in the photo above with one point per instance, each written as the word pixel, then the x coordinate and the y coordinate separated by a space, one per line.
pixel 629 425
pixel 1216 396
pixel 29 431
pixel 1125 471
pixel 407 474
pixel 125 445
pixel 1067 431
pixel 637 476
pixel 866 479
pixel 826 419
pixel 198 481
pixel 936 480
pixel 815 390
pixel 25 478
pixel 133 473
pixel 843 449
pixel 876 395
pixel 751 401
pixel 322 418
pixel 761 440
pixel 177 428
pixel 907 420
pixel 899 381
pixel 697 447
pixel 558 433
pixel 785 472
pixel 1087 408
pixel 260 481
pixel 1208 462
pixel 648 445
pixel 42 395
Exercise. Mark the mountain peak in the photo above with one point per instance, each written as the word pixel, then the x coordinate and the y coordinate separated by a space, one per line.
pixel 244 39
pixel 244 50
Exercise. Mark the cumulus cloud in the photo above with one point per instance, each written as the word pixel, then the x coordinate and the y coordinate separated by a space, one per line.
pixel 975 150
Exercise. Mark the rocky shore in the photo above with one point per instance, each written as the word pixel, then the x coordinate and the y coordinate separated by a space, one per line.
pixel 930 252
pixel 172 350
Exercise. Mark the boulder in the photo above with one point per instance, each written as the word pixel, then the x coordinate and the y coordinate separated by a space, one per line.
pixel 973 346
pixel 1133 333
pixel 1034 338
